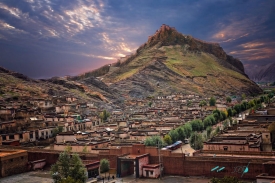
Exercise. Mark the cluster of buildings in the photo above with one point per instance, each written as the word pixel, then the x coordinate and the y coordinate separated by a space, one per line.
pixel 66 119
pixel 66 122
pixel 29 120
pixel 250 134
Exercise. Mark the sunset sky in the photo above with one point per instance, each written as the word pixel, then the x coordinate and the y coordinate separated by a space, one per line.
pixel 45 38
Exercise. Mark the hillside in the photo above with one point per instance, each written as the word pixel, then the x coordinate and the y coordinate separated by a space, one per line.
pixel 265 73
pixel 14 85
pixel 171 62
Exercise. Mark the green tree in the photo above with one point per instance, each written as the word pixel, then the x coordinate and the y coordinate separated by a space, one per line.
pixel 207 122
pixel 150 104
pixel 229 112
pixel 270 95
pixel 217 115
pixel 208 131
pixel 223 115
pixel 213 120
pixel 181 134
pixel 154 141
pixel 174 135
pixel 104 166
pixel 68 148
pixel 189 103
pixel 149 142
pixel 85 149
pixel 57 130
pixel 167 139
pixel 228 99
pixel 237 108
pixel 196 141
pixel 203 103
pixel 212 101
pixel 104 115
pixel 243 96
pixel 217 130
pixel 197 125
pixel 68 167
pixel 187 129
pixel 251 103
pixel 225 124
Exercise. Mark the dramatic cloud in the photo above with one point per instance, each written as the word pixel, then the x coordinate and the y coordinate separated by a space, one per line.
pixel 44 38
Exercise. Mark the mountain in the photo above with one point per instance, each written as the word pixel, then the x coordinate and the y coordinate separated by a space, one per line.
pixel 265 73
pixel 170 62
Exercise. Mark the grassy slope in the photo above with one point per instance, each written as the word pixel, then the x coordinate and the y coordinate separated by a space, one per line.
pixel 190 64
pixel 197 66
pixel 201 72
pixel 9 82
pixel 133 67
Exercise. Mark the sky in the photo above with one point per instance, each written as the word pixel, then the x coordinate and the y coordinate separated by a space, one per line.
pixel 47 38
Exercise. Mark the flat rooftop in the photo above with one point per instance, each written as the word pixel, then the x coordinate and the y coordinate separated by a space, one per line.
pixel 8 152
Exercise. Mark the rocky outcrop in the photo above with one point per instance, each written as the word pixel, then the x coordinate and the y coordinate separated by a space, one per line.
pixel 166 36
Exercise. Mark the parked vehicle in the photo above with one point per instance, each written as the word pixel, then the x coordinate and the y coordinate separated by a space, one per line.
pixel 174 146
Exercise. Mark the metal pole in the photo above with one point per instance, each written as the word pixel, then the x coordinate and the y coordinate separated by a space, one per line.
pixel 159 159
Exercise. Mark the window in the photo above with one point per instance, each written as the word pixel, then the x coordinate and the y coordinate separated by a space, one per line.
pixel 31 135
pixel 225 148
pixel 151 172
pixel 11 160
pixel 11 136
pixel 22 157
pixel 4 137
pixel 21 136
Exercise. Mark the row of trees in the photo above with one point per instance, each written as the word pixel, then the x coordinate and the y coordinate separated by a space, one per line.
pixel 190 130
pixel 194 128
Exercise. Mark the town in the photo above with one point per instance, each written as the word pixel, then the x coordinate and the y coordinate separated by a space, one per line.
pixel 220 134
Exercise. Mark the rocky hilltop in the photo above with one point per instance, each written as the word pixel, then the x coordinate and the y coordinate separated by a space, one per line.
pixel 265 73
pixel 171 62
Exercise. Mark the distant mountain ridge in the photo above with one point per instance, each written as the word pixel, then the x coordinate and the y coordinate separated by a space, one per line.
pixel 171 62
pixel 265 73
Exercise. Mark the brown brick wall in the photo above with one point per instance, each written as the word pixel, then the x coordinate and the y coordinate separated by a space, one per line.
pixel 190 166
pixel 14 165
pixel 50 157
pixel 176 164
